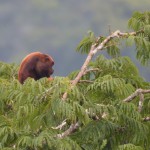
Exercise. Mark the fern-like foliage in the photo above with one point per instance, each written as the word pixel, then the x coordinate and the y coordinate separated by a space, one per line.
pixel 121 67
pixel 141 22
pixel 8 71
pixel 30 114
pixel 89 40
pixel 86 43
pixel 130 147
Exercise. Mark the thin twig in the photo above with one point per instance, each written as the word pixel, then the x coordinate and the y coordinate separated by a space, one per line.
pixel 61 125
pixel 91 70
pixel 71 129
pixel 87 81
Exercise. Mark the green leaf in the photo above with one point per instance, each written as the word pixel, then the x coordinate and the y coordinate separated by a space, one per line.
pixel 130 40
pixel 86 43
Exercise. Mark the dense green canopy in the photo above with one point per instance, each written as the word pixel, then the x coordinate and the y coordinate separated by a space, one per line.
pixel 108 108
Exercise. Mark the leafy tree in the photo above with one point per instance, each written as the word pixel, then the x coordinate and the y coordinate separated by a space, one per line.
pixel 103 106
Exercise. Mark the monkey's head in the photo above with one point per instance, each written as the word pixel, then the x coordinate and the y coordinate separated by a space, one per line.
pixel 43 66
pixel 36 65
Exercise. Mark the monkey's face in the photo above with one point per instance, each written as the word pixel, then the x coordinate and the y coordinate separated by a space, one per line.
pixel 44 66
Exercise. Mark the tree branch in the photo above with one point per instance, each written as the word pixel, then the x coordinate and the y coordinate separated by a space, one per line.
pixel 135 94
pixel 61 125
pixel 94 49
pixel 71 129
pixel 138 92
pixel 141 102
pixel 146 119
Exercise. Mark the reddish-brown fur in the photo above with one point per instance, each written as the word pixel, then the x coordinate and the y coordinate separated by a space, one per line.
pixel 35 65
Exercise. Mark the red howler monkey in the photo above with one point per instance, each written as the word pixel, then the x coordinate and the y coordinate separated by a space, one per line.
pixel 35 65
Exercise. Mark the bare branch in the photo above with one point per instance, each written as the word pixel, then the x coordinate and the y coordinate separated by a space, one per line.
pixel 71 129
pixel 141 101
pixel 94 49
pixel 61 125
pixel 146 119
pixel 135 94
pixel 138 92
